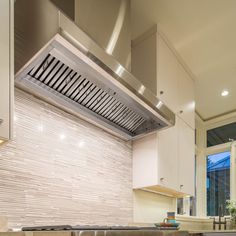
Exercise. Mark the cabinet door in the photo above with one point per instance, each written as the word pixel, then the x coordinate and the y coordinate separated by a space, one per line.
pixel 143 62
pixel 167 76
pixel 145 161
pixel 5 70
pixel 186 97
pixel 186 159
pixel 168 158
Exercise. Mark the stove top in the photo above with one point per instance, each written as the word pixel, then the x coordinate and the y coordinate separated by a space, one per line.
pixel 84 227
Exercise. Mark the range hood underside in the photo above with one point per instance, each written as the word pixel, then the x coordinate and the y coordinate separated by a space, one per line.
pixel 61 64
pixel 63 75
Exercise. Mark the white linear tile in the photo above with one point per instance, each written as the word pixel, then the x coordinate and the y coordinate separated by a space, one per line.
pixel 59 169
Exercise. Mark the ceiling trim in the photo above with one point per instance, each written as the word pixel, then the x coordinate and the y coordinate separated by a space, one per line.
pixel 221 116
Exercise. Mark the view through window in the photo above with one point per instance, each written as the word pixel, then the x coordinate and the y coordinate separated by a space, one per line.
pixel 218 182
pixel 222 134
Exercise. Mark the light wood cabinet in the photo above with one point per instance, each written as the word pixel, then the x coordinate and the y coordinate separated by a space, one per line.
pixel 6 69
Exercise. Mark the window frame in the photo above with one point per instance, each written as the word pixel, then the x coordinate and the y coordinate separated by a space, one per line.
pixel 225 149
pixel 202 151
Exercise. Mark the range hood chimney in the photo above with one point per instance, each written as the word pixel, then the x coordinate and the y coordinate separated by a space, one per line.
pixel 61 64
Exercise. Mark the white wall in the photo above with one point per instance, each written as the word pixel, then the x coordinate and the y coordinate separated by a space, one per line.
pixel 59 169
pixel 107 22
pixel 151 207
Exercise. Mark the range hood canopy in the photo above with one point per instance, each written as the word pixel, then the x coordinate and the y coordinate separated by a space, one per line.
pixel 72 72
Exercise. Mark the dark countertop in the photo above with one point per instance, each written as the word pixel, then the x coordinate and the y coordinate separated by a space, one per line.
pixel 99 233
pixel 212 233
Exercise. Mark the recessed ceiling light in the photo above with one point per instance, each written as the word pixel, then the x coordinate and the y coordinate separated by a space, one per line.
pixel 224 93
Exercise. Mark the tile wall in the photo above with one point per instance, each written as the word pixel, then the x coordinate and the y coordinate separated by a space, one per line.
pixel 59 169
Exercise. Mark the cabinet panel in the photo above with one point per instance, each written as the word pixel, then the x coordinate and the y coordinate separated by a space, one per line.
pixel 186 158
pixel 156 65
pixel 145 161
pixel 5 70
pixel 186 98
pixel 143 62
pixel 167 76
pixel 169 162
pixel 168 157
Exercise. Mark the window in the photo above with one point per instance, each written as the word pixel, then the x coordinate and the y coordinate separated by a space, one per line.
pixel 192 210
pixel 218 182
pixel 222 134
pixel 180 206
pixel 186 206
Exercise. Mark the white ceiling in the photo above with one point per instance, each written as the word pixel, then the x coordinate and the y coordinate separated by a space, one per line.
pixel 204 34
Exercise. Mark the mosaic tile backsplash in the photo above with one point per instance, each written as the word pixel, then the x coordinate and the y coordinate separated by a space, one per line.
pixel 60 169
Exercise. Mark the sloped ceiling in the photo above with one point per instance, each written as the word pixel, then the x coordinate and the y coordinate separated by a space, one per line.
pixel 204 34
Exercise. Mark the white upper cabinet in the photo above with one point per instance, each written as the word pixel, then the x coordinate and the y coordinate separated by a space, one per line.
pixel 149 167
pixel 156 65
pixel 164 162
pixel 186 158
pixel 167 76
pixel 6 68
pixel 150 171
pixel 145 164
pixel 144 60
pixel 168 157
pixel 186 98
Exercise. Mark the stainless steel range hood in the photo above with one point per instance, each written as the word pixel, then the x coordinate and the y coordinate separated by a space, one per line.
pixel 68 69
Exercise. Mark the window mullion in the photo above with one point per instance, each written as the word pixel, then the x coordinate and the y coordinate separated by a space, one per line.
pixel 233 172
